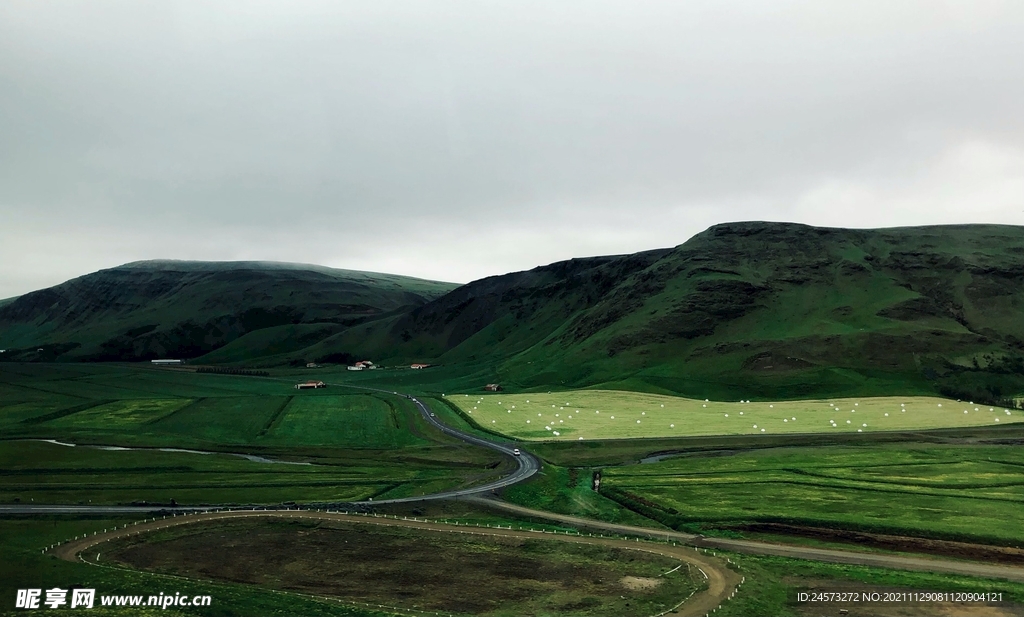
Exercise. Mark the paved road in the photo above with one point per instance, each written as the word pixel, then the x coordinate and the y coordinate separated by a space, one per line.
pixel 721 581
pixel 526 463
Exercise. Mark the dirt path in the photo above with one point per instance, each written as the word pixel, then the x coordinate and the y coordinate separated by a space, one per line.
pixel 754 547
pixel 721 581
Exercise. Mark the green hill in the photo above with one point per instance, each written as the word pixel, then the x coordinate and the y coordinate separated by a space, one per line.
pixel 185 309
pixel 743 309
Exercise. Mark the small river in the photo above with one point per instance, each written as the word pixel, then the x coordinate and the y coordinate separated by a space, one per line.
pixel 249 457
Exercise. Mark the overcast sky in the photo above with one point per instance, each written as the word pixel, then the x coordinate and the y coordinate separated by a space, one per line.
pixel 455 140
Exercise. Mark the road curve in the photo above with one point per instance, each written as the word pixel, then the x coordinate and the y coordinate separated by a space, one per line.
pixel 721 581
pixel 526 463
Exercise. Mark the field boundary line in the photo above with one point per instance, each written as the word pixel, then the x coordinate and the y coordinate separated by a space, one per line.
pixel 193 403
pixel 275 418
pixel 68 411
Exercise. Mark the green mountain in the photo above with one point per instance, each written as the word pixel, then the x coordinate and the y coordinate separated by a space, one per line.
pixel 749 309
pixel 740 310
pixel 153 309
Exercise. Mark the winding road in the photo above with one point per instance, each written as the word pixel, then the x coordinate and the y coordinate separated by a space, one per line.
pixel 722 581
pixel 526 463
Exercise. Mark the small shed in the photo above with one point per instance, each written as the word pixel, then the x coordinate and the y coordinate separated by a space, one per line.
pixel 492 387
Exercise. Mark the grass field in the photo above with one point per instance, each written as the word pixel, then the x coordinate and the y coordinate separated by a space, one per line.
pixel 772 585
pixel 613 414
pixel 360 445
pixel 973 493
pixel 353 420
pixel 225 419
pixel 126 415
pixel 40 472
pixel 142 406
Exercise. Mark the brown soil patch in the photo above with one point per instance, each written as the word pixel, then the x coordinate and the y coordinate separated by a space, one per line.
pixel 409 568
pixel 906 544
pixel 639 583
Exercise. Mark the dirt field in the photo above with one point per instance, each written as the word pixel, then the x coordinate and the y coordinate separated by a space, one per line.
pixel 412 568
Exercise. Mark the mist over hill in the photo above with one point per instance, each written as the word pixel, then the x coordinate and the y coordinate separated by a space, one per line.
pixel 771 309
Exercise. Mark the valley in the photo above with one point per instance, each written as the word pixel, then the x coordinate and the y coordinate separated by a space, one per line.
pixel 843 404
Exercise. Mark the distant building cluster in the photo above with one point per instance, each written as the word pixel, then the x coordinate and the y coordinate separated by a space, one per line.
pixel 362 365
pixel 418 365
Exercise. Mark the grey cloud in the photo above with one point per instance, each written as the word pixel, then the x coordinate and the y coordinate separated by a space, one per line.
pixel 227 130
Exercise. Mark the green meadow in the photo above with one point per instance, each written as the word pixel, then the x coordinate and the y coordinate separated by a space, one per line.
pixel 954 492
pixel 614 414
pixel 355 420
pixel 42 472
pixel 346 444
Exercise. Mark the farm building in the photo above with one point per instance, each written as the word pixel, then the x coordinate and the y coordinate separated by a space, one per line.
pixel 355 367
pixel 365 364
pixel 312 365
pixel 165 362
pixel 419 365
pixel 492 387
pixel 310 385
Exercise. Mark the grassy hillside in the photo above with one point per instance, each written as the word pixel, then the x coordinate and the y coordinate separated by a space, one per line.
pixel 767 310
pixel 756 310
pixel 154 309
